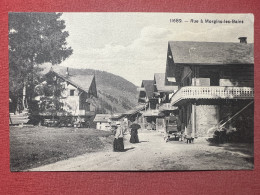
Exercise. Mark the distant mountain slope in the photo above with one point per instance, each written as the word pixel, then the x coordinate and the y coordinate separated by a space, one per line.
pixel 115 94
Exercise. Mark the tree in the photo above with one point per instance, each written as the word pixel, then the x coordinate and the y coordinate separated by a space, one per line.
pixel 34 38
pixel 50 91
pixel 49 96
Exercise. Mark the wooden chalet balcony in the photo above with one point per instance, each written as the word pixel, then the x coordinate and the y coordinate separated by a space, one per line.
pixel 212 92
pixel 167 106
pixel 151 112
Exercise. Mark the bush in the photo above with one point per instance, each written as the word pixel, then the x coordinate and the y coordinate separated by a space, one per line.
pixel 243 131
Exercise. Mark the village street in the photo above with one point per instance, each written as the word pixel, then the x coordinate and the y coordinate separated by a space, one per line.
pixel 153 153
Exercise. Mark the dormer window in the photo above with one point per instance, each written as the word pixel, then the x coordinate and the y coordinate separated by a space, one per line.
pixel 72 92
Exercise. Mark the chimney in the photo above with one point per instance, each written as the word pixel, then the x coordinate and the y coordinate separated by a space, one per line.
pixel 243 40
pixel 67 72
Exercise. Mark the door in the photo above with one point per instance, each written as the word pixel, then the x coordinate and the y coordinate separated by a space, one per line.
pixel 214 78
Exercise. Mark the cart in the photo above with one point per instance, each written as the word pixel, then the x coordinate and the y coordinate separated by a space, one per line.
pixel 171 130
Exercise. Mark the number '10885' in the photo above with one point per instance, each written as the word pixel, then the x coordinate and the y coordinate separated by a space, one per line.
pixel 176 20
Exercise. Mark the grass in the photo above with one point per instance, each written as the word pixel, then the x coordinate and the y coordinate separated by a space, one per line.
pixel 36 146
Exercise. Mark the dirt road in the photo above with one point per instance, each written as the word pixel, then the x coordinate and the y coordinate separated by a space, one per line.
pixel 152 153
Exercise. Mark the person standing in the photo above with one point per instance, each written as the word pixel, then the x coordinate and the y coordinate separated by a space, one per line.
pixel 134 133
pixel 125 125
pixel 118 145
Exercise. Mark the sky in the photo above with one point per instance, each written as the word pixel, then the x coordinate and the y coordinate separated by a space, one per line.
pixel 134 45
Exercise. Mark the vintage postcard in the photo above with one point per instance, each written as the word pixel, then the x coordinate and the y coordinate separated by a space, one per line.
pixel 131 91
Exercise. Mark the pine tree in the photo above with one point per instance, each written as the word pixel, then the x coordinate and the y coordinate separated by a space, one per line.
pixel 34 38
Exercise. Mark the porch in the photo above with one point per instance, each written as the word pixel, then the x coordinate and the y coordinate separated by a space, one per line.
pixel 167 106
pixel 211 92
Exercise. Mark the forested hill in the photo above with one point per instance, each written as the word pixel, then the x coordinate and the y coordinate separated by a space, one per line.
pixel 115 94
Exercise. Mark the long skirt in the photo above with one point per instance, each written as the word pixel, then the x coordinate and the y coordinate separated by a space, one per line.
pixel 134 138
pixel 118 145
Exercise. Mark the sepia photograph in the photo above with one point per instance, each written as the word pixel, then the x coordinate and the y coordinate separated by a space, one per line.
pixel 131 91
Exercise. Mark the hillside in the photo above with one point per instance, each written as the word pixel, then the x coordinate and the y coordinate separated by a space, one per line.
pixel 115 94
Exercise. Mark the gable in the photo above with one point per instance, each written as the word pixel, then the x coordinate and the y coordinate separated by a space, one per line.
pixel 149 88
pixel 161 84
pixel 84 82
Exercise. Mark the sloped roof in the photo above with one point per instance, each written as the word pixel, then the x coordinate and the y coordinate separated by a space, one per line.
pixel 117 116
pixel 81 81
pixel 135 109
pixel 149 87
pixel 160 83
pixel 189 52
pixel 153 113
pixel 102 117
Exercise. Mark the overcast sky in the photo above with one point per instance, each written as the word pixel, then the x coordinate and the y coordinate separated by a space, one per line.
pixel 134 45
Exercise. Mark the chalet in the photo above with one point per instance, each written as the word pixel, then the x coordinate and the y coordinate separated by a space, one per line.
pixel 78 94
pixel 102 121
pixel 146 94
pixel 135 113
pixel 215 80
pixel 148 97
pixel 157 96
pixel 164 92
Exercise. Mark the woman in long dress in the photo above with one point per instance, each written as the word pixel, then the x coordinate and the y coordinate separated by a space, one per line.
pixel 118 145
pixel 134 133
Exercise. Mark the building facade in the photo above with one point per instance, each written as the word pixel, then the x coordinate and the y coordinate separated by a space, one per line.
pixel 103 122
pixel 77 92
pixel 216 81
pixel 156 95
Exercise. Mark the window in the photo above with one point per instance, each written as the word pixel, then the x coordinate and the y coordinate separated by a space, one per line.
pixel 214 78
pixel 72 92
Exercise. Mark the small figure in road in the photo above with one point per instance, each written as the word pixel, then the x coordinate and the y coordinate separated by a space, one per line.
pixel 118 145
pixel 134 133
pixel 153 125
pixel 166 136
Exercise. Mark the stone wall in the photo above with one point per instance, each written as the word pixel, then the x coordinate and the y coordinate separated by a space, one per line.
pixel 207 116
